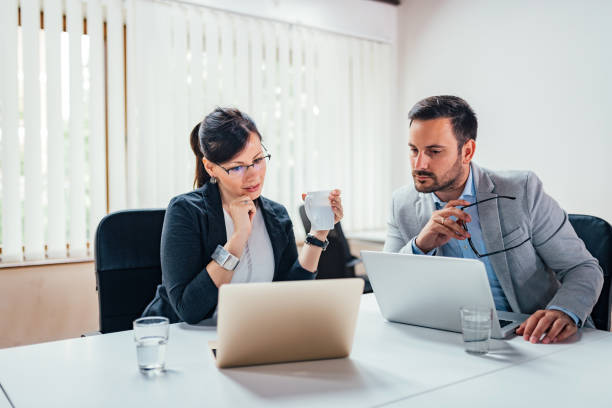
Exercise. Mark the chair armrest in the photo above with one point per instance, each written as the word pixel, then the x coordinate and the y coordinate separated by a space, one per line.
pixel 353 261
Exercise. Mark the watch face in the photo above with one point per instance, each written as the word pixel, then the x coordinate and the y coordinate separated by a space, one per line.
pixel 225 256
pixel 220 255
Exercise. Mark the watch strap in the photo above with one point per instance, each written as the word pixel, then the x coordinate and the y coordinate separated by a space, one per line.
pixel 312 240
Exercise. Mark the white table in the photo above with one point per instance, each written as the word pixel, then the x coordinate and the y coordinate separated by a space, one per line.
pixel 390 364
pixel 4 402
pixel 580 376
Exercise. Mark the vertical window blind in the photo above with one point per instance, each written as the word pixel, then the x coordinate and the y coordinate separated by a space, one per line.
pixel 53 126
pixel 98 98
pixel 322 102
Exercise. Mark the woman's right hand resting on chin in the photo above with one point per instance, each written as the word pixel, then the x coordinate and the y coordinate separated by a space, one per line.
pixel 242 210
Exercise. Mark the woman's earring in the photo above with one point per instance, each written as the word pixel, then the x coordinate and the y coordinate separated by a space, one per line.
pixel 213 180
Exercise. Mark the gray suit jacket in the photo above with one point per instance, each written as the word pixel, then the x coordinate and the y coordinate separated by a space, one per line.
pixel 553 268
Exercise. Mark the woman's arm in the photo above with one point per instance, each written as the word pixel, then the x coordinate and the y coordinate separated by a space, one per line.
pixel 310 254
pixel 242 210
pixel 192 293
pixel 292 267
pixel 234 246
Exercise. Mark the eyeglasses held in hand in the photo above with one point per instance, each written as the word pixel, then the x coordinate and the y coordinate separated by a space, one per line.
pixel 479 255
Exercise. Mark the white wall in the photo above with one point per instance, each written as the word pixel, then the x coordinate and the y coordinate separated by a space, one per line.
pixel 537 73
pixel 361 18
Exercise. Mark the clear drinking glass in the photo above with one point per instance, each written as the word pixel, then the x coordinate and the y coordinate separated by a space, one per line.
pixel 151 337
pixel 476 328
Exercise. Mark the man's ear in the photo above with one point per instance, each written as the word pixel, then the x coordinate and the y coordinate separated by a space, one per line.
pixel 467 151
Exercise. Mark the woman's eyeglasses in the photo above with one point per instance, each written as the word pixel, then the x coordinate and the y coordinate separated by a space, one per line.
pixel 479 255
pixel 240 171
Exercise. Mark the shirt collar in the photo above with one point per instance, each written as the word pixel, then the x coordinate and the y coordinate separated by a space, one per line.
pixel 467 194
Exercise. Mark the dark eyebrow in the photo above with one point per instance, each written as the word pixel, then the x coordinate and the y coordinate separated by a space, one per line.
pixel 241 163
pixel 429 147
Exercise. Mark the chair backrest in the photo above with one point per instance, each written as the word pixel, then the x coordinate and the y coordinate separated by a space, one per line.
pixel 128 266
pixel 333 261
pixel 597 236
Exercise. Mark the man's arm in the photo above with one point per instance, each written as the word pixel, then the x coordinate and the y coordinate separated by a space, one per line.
pixel 394 241
pixel 438 231
pixel 564 253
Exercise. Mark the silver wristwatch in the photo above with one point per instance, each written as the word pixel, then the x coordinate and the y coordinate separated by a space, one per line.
pixel 224 258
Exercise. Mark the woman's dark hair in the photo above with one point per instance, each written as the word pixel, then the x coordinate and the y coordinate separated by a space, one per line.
pixel 219 137
pixel 463 119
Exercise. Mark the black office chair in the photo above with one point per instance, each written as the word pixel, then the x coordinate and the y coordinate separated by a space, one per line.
pixel 337 260
pixel 597 236
pixel 128 266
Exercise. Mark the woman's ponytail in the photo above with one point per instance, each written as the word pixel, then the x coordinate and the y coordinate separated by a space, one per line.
pixel 201 176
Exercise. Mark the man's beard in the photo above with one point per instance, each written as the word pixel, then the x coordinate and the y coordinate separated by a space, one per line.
pixel 447 183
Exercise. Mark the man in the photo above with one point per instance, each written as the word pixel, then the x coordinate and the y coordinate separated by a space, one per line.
pixel 534 261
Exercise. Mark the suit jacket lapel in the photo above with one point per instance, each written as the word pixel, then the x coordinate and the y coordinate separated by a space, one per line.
pixel 216 220
pixel 490 225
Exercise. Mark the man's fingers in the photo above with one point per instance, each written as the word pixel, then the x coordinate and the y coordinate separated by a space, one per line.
pixel 446 229
pixel 569 330
pixel 519 330
pixel 456 203
pixel 457 231
pixel 541 328
pixel 531 323
pixel 455 212
pixel 554 331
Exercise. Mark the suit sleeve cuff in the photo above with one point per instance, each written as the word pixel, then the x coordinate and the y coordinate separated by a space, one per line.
pixel 417 251
pixel 567 312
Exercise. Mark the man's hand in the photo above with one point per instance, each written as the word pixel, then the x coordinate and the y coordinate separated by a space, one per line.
pixel 557 325
pixel 441 228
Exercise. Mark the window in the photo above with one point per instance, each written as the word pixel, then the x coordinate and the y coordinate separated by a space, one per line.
pixel 97 117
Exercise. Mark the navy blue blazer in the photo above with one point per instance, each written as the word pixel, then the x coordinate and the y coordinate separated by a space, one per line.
pixel 193 227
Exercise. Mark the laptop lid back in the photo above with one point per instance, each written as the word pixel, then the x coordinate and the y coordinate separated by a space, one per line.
pixel 273 322
pixel 426 290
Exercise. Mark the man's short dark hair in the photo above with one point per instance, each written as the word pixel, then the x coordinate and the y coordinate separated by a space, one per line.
pixel 463 119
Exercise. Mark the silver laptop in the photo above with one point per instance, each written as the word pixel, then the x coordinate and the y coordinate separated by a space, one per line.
pixel 429 290
pixel 274 322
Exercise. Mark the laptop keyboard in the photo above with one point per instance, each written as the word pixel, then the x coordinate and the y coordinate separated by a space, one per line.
pixel 504 323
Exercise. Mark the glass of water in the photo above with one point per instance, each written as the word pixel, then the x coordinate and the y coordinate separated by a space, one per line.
pixel 476 328
pixel 151 337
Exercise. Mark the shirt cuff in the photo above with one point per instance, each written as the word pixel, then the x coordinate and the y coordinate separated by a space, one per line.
pixel 416 250
pixel 567 312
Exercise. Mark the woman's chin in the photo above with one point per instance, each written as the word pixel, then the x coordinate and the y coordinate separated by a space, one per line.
pixel 253 195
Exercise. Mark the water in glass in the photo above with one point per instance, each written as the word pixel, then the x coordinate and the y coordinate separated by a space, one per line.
pixel 476 329
pixel 151 353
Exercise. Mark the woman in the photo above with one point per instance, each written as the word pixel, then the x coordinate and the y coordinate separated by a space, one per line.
pixel 224 231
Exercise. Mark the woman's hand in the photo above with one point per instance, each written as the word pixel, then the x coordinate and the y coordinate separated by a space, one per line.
pixel 309 255
pixel 336 203
pixel 242 210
